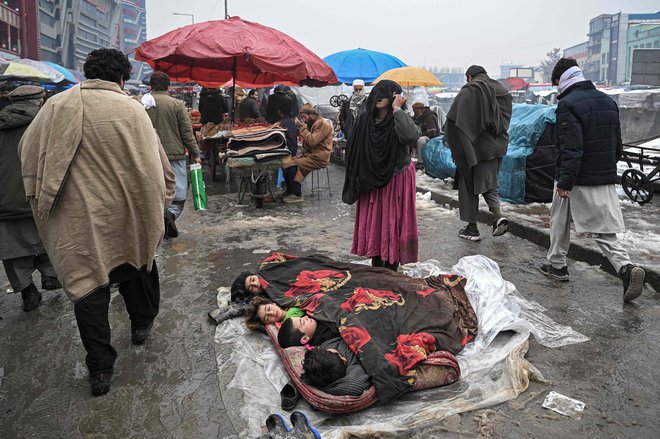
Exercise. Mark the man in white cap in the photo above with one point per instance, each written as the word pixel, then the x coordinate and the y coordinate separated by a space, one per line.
pixel 351 108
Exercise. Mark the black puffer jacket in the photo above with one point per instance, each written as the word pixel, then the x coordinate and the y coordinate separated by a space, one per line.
pixel 589 137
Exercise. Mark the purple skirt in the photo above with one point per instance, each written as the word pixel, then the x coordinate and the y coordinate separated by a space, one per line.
pixel 386 220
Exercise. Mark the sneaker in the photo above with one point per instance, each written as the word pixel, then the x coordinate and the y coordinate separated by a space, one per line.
pixel 500 226
pixel 50 283
pixel 468 234
pixel 633 281
pixel 293 199
pixel 100 382
pixel 550 271
pixel 31 298
pixel 138 336
pixel 283 194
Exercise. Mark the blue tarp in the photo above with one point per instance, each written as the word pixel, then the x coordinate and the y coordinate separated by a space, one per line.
pixel 527 125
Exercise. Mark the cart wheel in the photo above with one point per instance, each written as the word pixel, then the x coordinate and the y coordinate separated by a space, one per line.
pixel 341 99
pixel 637 186
pixel 334 101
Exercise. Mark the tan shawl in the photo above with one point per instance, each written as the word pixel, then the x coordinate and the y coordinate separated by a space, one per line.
pixel 98 182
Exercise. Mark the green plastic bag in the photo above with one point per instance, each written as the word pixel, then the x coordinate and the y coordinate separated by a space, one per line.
pixel 198 187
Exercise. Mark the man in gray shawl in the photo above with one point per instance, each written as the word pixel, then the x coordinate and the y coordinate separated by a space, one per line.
pixel 21 249
pixel 477 134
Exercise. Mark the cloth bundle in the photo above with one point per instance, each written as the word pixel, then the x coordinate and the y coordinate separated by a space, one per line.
pixel 261 143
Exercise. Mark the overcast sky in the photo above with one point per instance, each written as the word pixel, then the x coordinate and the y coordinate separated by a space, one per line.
pixel 449 33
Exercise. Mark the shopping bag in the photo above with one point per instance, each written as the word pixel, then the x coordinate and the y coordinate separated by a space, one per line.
pixel 198 187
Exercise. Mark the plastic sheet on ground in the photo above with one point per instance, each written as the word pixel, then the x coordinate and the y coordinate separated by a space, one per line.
pixel 494 368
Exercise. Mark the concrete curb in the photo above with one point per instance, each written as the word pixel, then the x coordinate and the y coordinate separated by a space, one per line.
pixel 540 237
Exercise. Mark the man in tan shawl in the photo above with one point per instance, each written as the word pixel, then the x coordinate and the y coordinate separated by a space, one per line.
pixel 98 181
pixel 317 148
pixel 476 131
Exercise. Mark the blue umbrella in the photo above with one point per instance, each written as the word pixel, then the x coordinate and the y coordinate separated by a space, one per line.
pixel 361 64
pixel 68 76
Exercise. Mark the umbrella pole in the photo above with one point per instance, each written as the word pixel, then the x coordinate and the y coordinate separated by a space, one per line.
pixel 233 95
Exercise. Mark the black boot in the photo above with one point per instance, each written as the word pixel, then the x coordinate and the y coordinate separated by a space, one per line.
pixel 100 382
pixel 50 283
pixel 633 281
pixel 139 335
pixel 170 225
pixel 31 298
pixel 376 261
pixel 393 266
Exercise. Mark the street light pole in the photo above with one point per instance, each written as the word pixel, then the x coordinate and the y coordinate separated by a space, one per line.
pixel 226 13
pixel 192 16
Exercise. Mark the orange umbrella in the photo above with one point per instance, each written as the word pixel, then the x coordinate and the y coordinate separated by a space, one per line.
pixel 410 77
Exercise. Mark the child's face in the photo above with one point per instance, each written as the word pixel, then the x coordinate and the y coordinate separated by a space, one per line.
pixel 252 284
pixel 306 325
pixel 270 313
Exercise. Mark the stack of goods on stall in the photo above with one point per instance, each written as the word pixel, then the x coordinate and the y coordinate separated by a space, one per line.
pixel 262 143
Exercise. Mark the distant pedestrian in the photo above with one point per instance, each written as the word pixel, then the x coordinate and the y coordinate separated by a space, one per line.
pixel 428 123
pixel 589 142
pixel 98 182
pixel 381 178
pixel 21 249
pixel 249 108
pixel 316 150
pixel 170 118
pixel 352 107
pixel 212 106
pixel 477 134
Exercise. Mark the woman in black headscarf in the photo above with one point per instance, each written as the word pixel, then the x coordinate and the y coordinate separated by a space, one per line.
pixel 381 178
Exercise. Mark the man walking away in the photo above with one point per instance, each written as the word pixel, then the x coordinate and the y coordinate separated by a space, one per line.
pixel 477 134
pixel 98 182
pixel 589 142
pixel 170 118
pixel 427 120
pixel 21 249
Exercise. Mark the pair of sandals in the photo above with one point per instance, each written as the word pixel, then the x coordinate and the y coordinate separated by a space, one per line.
pixel 301 428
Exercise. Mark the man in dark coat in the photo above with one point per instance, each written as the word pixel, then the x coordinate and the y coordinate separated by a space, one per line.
pixel 589 142
pixel 212 105
pixel 249 108
pixel 477 134
pixel 427 120
pixel 21 249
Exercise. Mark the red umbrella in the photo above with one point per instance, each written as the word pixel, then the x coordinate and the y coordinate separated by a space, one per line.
pixel 217 51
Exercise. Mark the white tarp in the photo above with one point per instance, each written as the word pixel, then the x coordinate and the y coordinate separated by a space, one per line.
pixel 493 366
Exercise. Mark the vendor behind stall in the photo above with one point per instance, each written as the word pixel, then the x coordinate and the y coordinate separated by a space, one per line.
pixel 212 105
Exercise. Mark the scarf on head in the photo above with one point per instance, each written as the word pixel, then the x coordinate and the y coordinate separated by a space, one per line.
pixel 570 77
pixel 372 147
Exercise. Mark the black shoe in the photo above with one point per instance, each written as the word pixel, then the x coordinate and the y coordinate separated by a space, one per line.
pixel 302 428
pixel 394 267
pixel 50 283
pixel 500 226
pixel 31 298
pixel 170 226
pixel 550 271
pixel 633 281
pixel 276 426
pixel 138 336
pixel 376 261
pixel 100 382
pixel 468 234
pixel 419 166
pixel 290 396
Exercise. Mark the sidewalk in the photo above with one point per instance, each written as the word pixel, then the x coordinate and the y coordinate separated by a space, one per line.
pixel 532 222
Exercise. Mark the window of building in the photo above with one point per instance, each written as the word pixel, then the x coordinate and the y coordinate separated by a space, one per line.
pixel 648 45
pixel 4 36
pixel 656 43
pixel 14 41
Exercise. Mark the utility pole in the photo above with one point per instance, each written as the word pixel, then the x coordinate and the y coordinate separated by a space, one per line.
pixel 226 12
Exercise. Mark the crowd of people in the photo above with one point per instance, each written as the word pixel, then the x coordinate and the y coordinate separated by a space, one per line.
pixel 87 195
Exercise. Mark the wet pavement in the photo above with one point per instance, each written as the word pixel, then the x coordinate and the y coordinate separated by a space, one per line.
pixel 168 388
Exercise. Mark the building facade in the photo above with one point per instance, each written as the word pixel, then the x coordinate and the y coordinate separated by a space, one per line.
pixel 18 30
pixel 579 53
pixel 612 40
pixel 135 33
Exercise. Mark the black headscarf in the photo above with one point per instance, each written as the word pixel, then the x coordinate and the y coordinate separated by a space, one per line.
pixel 371 152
